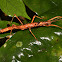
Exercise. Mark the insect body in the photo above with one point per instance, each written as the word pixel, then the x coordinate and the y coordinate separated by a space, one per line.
pixel 26 26
pixel 32 24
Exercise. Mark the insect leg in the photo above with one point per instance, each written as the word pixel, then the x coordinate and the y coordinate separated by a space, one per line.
pixel 12 20
pixel 9 36
pixel 55 19
pixel 11 29
pixel 32 34
pixel 17 18
pixel 34 18
pixel 55 25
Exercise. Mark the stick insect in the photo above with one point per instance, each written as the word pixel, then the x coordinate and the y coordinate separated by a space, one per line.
pixel 32 24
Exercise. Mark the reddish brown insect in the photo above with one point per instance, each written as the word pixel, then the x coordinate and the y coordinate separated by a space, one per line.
pixel 32 24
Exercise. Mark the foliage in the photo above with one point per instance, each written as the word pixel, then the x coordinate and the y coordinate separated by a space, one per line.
pixel 22 46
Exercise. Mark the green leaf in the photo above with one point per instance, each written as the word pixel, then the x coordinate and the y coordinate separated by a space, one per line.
pixel 52 7
pixel 11 7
